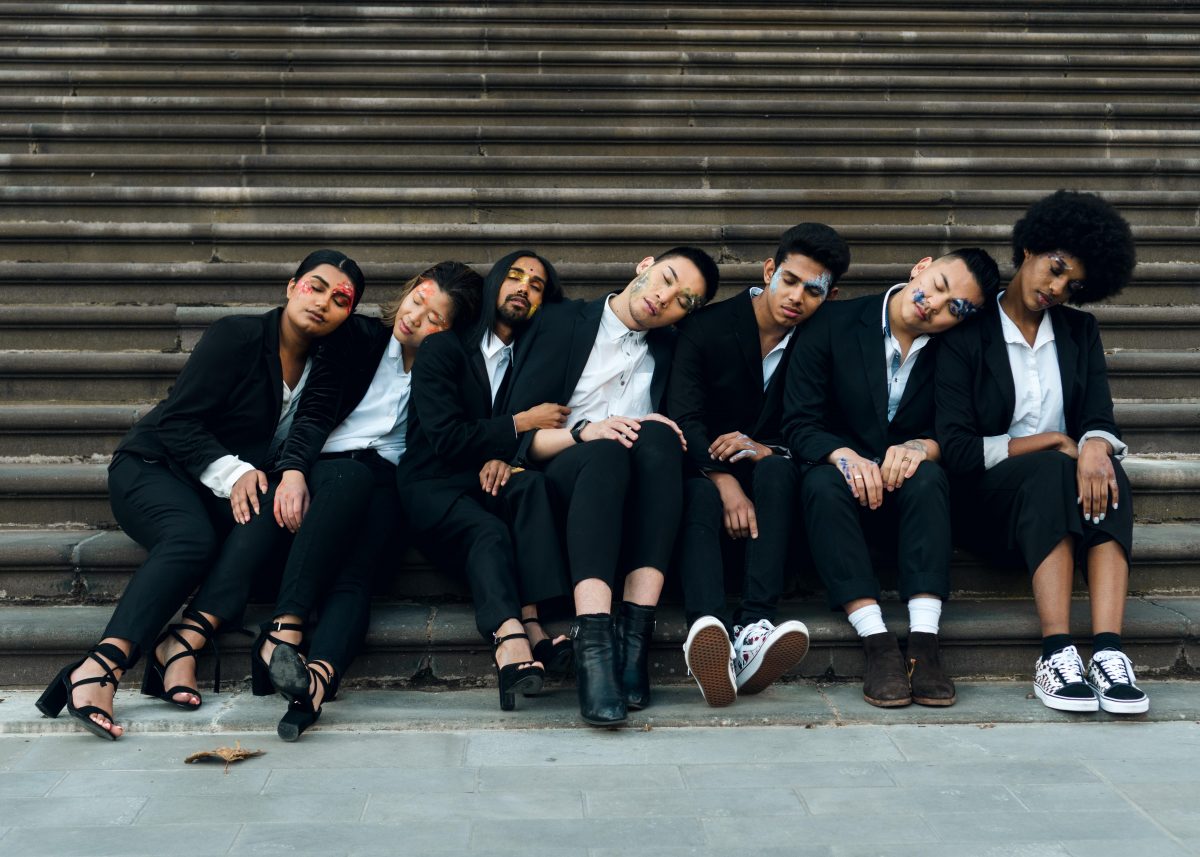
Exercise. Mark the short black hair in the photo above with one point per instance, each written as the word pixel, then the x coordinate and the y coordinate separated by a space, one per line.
pixel 704 262
pixel 461 282
pixel 982 267
pixel 495 278
pixel 1090 229
pixel 818 242
pixel 342 262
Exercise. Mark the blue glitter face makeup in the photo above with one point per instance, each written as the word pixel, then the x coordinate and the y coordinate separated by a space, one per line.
pixel 776 279
pixel 819 286
pixel 918 296
pixel 962 308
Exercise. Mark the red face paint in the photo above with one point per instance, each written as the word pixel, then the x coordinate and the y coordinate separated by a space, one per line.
pixel 304 286
pixel 346 289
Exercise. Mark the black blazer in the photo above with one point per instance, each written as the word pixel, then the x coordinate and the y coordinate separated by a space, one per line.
pixel 227 400
pixel 453 428
pixel 717 381
pixel 550 357
pixel 835 393
pixel 976 396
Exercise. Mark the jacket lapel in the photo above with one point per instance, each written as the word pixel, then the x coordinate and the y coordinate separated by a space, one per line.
pixel 745 329
pixel 1068 359
pixel 995 357
pixel 870 343
pixel 271 357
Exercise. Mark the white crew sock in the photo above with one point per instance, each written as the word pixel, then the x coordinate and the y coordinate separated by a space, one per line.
pixel 868 620
pixel 923 614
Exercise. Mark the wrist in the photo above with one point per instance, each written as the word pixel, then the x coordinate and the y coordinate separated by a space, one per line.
pixel 842 452
pixel 578 429
pixel 520 421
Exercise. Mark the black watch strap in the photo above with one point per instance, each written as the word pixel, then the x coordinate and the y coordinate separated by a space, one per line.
pixel 577 430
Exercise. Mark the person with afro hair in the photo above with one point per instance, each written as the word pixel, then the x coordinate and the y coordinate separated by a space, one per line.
pixel 1025 420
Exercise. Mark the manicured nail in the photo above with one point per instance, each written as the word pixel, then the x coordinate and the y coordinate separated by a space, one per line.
pixel 1078 500
pixel 1114 505
pixel 1101 518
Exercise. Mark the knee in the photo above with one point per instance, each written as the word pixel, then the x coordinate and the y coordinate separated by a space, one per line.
pixel 608 460
pixel 823 484
pixel 774 473
pixel 701 499
pixel 657 444
pixel 195 543
pixel 1053 473
pixel 929 479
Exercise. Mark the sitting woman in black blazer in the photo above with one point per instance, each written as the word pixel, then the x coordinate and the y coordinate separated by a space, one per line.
pixel 192 468
pixel 344 526
pixel 1025 420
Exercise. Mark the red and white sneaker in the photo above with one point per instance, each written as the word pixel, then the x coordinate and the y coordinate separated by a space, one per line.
pixel 709 657
pixel 763 652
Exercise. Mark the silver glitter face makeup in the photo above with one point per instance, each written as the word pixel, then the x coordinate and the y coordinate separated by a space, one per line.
pixel 819 286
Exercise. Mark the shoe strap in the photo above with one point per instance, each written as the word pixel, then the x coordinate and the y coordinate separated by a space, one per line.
pixel 98 654
pixel 497 641
pixel 321 673
pixel 195 621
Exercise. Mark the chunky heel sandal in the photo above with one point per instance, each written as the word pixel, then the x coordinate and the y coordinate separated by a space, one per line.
pixel 558 657
pixel 58 694
pixel 301 713
pixel 264 681
pixel 522 677
pixel 154 678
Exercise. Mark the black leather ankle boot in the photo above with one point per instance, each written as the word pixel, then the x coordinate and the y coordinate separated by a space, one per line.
pixel 635 628
pixel 600 700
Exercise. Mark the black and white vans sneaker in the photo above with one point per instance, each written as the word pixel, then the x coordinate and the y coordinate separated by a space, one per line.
pixel 708 654
pixel 1111 673
pixel 763 652
pixel 1058 682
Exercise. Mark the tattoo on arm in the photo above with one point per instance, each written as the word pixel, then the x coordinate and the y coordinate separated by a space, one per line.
pixel 918 445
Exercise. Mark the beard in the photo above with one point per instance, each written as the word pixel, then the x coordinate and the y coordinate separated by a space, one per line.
pixel 513 317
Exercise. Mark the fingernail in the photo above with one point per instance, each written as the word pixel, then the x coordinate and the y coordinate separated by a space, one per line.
pixel 1078 500
pixel 1101 516
pixel 1114 505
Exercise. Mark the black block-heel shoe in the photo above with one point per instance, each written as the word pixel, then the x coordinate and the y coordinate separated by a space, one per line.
pixel 601 702
pixel 58 694
pixel 154 677
pixel 522 677
pixel 301 712
pixel 263 680
pixel 558 657
pixel 634 631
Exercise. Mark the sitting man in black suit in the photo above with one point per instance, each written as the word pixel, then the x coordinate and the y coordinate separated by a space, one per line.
pixel 858 402
pixel 726 393
pixel 616 471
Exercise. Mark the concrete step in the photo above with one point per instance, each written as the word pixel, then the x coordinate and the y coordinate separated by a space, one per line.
pixel 588 206
pixel 410 642
pixel 826 140
pixel 697 110
pixel 216 282
pixel 64 566
pixel 38 493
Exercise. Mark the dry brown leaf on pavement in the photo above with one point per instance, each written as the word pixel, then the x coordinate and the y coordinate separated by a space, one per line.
pixel 227 754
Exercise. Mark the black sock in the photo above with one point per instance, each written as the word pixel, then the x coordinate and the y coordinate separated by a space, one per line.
pixel 1107 640
pixel 1055 643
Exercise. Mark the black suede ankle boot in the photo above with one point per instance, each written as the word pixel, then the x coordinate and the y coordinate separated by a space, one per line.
pixel 635 628
pixel 601 702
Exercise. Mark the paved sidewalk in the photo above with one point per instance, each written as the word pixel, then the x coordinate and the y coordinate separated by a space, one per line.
pixel 388 773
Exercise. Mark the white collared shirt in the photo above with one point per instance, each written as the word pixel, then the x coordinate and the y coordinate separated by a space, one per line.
pixel 616 379
pixel 220 476
pixel 497 357
pixel 381 418
pixel 897 370
pixel 1037 383
pixel 771 362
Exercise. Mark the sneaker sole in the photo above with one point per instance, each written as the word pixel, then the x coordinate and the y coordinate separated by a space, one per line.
pixel 1117 706
pixel 708 659
pixel 1060 704
pixel 772 662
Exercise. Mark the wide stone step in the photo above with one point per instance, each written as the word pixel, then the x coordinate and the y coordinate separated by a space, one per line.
pixel 54 284
pixel 38 493
pixel 738 111
pixel 827 140
pixel 410 643
pixel 590 206
pixel 46 241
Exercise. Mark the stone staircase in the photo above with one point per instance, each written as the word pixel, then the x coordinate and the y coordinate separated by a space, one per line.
pixel 164 165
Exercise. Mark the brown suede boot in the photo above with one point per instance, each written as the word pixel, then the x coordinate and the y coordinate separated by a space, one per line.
pixel 885 682
pixel 930 684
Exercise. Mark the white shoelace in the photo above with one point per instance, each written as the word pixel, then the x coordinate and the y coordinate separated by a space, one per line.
pixel 1114 665
pixel 1066 663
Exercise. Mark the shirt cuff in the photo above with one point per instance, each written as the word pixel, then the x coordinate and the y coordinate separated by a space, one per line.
pixel 1119 446
pixel 995 450
pixel 220 476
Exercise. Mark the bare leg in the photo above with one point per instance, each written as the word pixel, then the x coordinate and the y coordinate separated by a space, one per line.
pixel 94 693
pixel 1052 589
pixel 592 596
pixel 513 651
pixel 183 671
pixel 292 637
pixel 529 615
pixel 643 586
pixel 1108 583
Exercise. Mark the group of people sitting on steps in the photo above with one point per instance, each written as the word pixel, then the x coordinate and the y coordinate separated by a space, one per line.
pixel 549 449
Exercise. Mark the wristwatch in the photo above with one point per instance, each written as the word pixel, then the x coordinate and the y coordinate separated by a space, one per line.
pixel 577 430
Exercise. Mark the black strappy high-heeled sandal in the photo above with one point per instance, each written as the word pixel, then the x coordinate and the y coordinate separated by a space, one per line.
pixel 301 713
pixel 522 677
pixel 264 680
pixel 154 677
pixel 58 694
pixel 557 658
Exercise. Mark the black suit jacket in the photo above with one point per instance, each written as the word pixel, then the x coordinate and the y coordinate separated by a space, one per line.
pixel 835 393
pixel 976 397
pixel 717 381
pixel 453 428
pixel 550 357
pixel 227 401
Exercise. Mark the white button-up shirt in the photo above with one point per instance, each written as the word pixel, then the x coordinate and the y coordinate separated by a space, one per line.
pixel 220 476
pixel 897 370
pixel 1037 383
pixel 616 379
pixel 771 362
pixel 381 418
pixel 497 357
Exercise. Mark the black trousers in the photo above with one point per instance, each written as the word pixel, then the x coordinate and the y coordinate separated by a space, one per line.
pixel 183 526
pixel 1025 505
pixel 507 546
pixel 916 519
pixel 773 486
pixel 619 508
